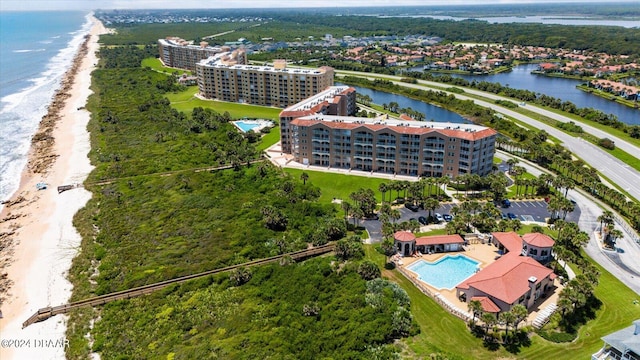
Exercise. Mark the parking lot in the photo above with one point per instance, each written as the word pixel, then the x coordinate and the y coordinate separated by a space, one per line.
pixel 522 210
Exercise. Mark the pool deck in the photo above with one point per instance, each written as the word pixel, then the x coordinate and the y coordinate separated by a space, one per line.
pixel 259 124
pixel 485 254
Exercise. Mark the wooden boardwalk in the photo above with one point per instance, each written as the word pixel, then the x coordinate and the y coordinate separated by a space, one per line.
pixel 47 312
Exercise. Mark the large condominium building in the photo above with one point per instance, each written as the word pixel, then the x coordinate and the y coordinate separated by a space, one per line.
pixel 261 85
pixel 182 54
pixel 395 146
pixel 335 100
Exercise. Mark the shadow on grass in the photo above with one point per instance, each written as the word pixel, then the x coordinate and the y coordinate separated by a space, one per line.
pixel 516 341
pixel 571 321
pixel 492 341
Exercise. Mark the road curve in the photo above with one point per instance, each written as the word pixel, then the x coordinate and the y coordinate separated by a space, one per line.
pixel 615 170
pixel 624 145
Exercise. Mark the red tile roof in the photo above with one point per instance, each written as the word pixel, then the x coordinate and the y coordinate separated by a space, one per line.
pixel 460 134
pixel 507 279
pixel 487 304
pixel 439 239
pixel 510 240
pixel 404 236
pixel 538 240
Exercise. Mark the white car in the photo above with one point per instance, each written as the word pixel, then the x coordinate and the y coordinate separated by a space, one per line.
pixel 439 217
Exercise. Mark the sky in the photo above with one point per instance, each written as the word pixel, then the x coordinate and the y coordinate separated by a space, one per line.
pixel 26 5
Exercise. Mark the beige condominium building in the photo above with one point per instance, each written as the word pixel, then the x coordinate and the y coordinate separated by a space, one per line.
pixel 179 53
pixel 386 145
pixel 228 80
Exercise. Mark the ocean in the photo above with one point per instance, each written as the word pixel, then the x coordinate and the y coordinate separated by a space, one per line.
pixel 36 49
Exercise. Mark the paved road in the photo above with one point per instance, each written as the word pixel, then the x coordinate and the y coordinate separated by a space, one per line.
pixel 617 171
pixel 623 263
pixel 620 143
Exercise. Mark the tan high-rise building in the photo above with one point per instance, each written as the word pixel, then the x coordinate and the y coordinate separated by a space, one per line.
pixel 260 85
pixel 394 146
pixel 335 100
pixel 179 53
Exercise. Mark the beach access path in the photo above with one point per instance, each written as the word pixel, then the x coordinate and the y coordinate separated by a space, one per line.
pixel 44 241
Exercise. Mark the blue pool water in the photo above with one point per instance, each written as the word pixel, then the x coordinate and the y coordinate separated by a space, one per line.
pixel 246 126
pixel 445 273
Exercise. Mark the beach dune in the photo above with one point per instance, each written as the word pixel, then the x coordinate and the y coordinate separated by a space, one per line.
pixel 38 240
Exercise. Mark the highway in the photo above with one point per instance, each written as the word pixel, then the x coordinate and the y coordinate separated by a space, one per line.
pixel 615 170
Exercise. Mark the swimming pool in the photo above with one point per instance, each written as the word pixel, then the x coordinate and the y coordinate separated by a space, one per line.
pixel 445 273
pixel 249 125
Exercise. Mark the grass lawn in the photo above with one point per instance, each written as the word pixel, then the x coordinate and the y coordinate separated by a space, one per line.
pixel 617 312
pixel 156 64
pixel 185 101
pixel 443 332
pixel 432 232
pixel 511 190
pixel 339 186
pixel 269 139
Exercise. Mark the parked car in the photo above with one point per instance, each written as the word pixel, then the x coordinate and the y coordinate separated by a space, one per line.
pixel 438 217
pixel 447 217
pixel 412 207
pixel 512 216
pixel 423 220
pixel 506 203
pixel 503 216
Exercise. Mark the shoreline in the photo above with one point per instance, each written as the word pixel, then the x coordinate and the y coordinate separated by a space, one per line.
pixel 37 237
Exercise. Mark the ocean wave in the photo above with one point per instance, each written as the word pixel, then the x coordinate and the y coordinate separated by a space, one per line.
pixel 28 50
pixel 20 112
pixel 56 68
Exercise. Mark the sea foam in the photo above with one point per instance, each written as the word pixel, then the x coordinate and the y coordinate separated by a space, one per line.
pixel 21 112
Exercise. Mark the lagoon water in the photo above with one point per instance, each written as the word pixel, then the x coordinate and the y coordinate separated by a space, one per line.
pixel 432 112
pixel 36 49
pixel 557 20
pixel 565 89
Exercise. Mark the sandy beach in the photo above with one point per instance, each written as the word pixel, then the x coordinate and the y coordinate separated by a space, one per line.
pixel 37 238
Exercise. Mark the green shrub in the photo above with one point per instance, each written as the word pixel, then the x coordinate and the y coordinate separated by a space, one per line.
pixel 557 337
pixel 607 143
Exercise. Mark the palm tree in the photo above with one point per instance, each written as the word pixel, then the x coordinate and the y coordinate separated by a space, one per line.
pixel 511 162
pixel 508 318
pixel 404 185
pixel 605 219
pixel 566 206
pixel 489 320
pixel 383 187
pixel 520 312
pixel 568 185
pixel 346 206
pixel 475 307
pixel 304 177
pixel 614 235
pixel 564 304
pixel 394 215
pixel 431 204
pixel 554 207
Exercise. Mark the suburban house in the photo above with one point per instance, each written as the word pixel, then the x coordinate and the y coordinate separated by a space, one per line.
pixel 621 345
pixel 514 278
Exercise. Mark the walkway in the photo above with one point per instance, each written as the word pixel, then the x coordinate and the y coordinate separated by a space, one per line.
pixel 47 312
